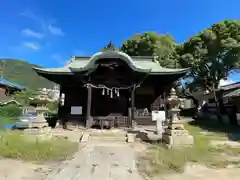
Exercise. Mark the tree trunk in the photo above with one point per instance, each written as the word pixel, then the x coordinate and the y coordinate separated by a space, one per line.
pixel 216 99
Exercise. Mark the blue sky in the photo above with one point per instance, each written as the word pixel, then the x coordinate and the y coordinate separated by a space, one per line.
pixel 48 32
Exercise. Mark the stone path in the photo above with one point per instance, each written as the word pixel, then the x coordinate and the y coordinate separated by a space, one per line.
pixel 100 162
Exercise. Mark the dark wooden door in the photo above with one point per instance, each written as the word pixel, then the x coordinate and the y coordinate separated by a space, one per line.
pixel 103 105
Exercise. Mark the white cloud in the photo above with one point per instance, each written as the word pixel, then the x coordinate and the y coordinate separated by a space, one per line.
pixel 31 33
pixel 47 25
pixel 55 30
pixel 31 45
pixel 30 15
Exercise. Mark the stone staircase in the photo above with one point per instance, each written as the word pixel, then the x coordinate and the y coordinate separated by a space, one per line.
pixel 118 137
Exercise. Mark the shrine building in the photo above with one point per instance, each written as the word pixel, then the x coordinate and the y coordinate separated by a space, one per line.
pixel 109 84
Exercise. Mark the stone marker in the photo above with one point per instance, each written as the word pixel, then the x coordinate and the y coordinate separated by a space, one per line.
pixel 85 137
pixel 131 137
pixel 159 124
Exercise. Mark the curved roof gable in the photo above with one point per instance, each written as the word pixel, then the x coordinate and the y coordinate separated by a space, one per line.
pixel 137 63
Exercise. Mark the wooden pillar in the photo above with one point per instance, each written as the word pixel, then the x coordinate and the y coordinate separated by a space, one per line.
pixel 132 106
pixel 62 113
pixel 89 102
pixel 59 103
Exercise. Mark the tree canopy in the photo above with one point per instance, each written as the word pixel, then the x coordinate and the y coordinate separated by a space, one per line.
pixel 213 53
pixel 23 97
pixel 152 44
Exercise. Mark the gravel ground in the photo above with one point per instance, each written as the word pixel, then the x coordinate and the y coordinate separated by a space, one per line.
pixel 100 162
pixel 19 170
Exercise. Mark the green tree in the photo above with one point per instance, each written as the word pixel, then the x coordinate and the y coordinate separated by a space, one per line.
pixel 10 110
pixel 152 44
pixel 212 54
pixel 23 97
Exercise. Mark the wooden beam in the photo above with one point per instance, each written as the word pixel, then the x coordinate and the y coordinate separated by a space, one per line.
pixel 89 102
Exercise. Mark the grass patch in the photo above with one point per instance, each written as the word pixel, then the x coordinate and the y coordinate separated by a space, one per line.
pixel 212 129
pixel 14 144
pixel 196 131
pixel 227 150
pixel 159 160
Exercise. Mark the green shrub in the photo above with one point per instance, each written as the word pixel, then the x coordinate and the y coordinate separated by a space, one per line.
pixel 10 110
pixel 23 97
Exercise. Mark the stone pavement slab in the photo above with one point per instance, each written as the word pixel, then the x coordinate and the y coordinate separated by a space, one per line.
pixel 100 162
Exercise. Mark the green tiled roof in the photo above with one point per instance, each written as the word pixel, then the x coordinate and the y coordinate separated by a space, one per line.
pixel 137 63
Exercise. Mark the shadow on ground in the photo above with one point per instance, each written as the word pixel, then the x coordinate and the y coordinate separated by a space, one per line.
pixel 232 131
pixel 145 137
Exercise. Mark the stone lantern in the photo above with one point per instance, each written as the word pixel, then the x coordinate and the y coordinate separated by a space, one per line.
pixel 176 134
pixel 41 101
pixel 34 117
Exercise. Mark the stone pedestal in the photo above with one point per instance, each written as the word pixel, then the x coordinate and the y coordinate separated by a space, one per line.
pixel 173 141
pixel 176 135
pixel 44 133
pixel 40 121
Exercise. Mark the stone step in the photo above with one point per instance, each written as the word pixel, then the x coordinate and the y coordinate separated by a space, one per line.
pixel 109 138
pixel 109 134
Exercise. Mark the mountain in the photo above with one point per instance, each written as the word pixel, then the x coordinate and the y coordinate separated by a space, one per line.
pixel 21 72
